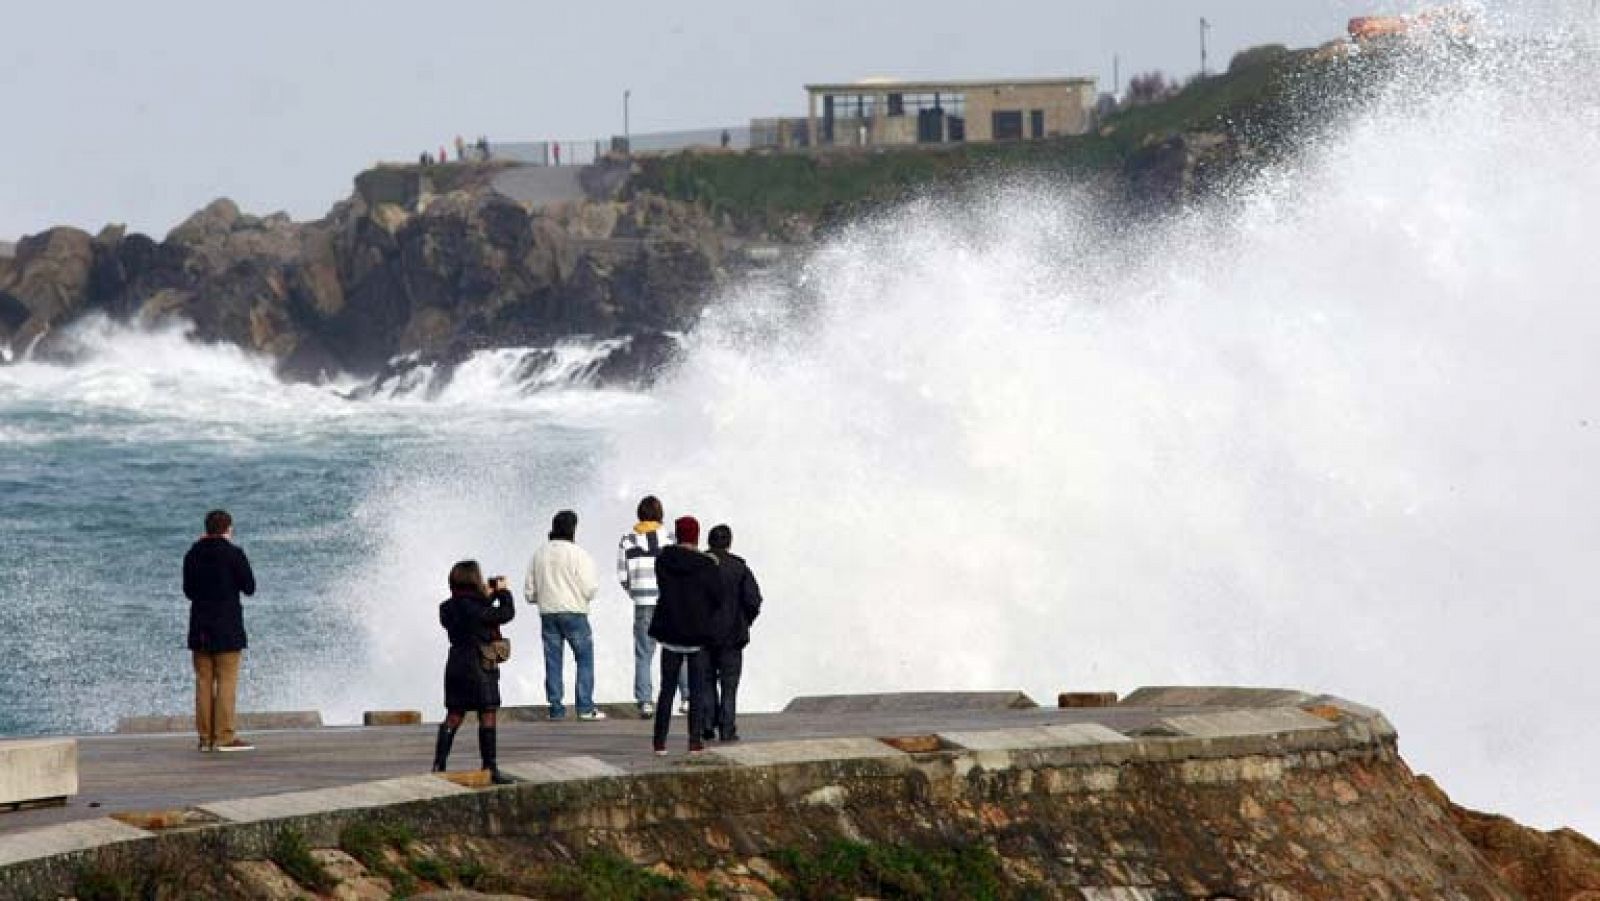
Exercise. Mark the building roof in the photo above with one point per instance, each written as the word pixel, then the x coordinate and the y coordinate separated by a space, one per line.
pixel 913 86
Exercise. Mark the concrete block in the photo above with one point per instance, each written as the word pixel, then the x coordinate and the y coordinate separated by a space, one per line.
pixel 1231 723
pixel 37 770
pixel 1213 696
pixel 264 721
pixel 912 702
pixel 818 750
pixel 562 769
pixel 391 718
pixel 1034 737
pixel 1069 700
pixel 327 800
pixel 65 838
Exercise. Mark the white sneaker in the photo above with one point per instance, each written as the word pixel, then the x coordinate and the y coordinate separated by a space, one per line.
pixel 593 715
pixel 647 710
pixel 684 708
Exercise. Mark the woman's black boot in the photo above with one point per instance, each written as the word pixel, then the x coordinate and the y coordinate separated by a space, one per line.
pixel 488 738
pixel 441 747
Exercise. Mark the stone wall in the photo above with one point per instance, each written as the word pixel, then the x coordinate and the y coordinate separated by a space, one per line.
pixel 1305 801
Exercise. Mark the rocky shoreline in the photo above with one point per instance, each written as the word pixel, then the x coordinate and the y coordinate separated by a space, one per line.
pixel 400 273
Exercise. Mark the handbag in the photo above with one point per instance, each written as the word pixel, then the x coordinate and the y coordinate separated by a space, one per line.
pixel 494 653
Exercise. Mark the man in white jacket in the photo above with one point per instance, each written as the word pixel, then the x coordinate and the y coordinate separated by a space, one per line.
pixel 561 583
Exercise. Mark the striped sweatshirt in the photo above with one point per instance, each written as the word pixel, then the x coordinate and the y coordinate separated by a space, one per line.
pixel 636 562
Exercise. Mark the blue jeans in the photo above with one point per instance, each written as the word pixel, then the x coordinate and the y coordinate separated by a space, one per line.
pixel 644 649
pixel 573 629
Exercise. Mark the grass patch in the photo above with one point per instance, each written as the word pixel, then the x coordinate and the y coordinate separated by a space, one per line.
pixel 845 869
pixel 370 843
pixel 433 870
pixel 292 855
pixel 95 884
pixel 607 876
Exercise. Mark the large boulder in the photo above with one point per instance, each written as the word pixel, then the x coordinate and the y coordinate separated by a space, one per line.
pixel 48 281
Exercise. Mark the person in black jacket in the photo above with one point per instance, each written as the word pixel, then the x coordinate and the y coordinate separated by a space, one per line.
pixel 472 616
pixel 740 605
pixel 690 593
pixel 215 574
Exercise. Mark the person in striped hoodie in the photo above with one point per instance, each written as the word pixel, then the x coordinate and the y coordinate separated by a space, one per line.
pixel 636 571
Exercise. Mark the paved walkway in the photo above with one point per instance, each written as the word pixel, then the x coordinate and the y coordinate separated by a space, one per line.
pixel 164 772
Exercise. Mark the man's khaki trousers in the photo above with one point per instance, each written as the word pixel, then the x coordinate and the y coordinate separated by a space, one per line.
pixel 216 683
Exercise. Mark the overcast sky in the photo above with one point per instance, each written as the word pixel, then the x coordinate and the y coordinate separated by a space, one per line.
pixel 142 112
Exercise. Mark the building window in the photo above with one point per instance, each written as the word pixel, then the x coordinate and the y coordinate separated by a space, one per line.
pixel 1036 123
pixel 1007 125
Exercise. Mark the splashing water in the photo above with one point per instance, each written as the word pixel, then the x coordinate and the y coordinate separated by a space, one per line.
pixel 1336 431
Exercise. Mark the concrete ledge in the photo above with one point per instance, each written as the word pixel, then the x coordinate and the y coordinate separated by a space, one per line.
pixel 912 702
pixel 1213 696
pixel 391 718
pixel 37 770
pixel 1240 723
pixel 818 750
pixel 247 722
pixel 1033 738
pixel 65 838
pixel 562 769
pixel 327 800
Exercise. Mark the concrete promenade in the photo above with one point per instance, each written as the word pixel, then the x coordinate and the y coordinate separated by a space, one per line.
pixel 123 773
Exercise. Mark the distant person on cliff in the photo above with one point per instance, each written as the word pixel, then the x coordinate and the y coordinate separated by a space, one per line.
pixel 738 608
pixel 636 572
pixel 562 582
pixel 691 589
pixel 473 616
pixel 558 153
pixel 215 574
pixel 461 150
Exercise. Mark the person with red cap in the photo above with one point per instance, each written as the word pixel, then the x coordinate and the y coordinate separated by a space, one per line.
pixel 690 585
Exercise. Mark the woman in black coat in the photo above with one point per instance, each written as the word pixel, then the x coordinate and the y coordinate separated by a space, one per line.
pixel 473 617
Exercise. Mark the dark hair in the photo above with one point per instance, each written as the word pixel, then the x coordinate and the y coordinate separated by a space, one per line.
pixel 650 509
pixel 467 577
pixel 721 538
pixel 564 527
pixel 218 522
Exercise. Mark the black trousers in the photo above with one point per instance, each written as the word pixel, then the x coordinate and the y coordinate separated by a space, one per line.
pixel 723 668
pixel 671 663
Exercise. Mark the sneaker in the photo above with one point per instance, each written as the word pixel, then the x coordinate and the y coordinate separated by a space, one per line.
pixel 660 749
pixel 708 735
pixel 557 716
pixel 237 744
pixel 683 708
pixel 592 715
pixel 207 747
pixel 647 710
pixel 696 747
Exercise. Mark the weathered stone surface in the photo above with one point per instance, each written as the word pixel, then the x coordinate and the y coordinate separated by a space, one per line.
pixel 391 718
pixel 911 702
pixel 349 797
pixel 260 721
pixel 1213 696
pixel 808 751
pixel 65 838
pixel 38 769
pixel 1063 736
pixel 1561 865
pixel 561 769
pixel 1237 723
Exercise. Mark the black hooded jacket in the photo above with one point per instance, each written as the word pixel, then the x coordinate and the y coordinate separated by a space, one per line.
pixel 215 573
pixel 691 594
pixel 740 603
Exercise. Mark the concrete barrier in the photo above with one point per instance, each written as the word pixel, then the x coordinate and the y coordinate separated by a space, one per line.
pixel 912 702
pixel 1069 700
pixel 38 771
pixel 1213 696
pixel 246 722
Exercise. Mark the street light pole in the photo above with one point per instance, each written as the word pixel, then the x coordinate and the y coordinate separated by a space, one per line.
pixel 1204 27
pixel 627 133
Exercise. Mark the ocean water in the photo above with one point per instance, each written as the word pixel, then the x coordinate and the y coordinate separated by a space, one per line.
pixel 1338 431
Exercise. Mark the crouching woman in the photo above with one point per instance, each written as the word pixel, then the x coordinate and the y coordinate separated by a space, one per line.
pixel 473 617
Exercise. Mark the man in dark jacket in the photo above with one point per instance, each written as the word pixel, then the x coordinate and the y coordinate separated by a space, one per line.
pixel 690 596
pixel 215 574
pixel 739 606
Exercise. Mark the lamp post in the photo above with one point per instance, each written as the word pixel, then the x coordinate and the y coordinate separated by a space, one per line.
pixel 1204 27
pixel 627 133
